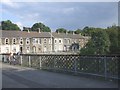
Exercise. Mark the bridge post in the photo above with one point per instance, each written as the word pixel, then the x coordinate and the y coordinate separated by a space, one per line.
pixel 40 62
pixel 105 68
pixel 75 66
pixel 29 61
pixel 21 60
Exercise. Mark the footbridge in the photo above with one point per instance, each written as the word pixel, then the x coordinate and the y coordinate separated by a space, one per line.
pixel 59 71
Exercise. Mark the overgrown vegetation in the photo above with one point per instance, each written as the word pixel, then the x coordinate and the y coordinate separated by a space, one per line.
pixel 103 41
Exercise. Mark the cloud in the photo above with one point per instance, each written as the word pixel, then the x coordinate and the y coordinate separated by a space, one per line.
pixel 10 3
pixel 63 0
pixel 19 25
pixel 64 14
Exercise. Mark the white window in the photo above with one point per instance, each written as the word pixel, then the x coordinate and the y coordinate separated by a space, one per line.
pixel 27 41
pixel 21 41
pixel 14 41
pixel 6 41
pixel 69 41
pixel 0 41
pixel 28 49
pixel 45 40
pixel 60 41
pixel 7 50
pixel 65 40
pixel 35 40
pixel 50 41
pixel 14 49
pixel 55 41
pixel 39 41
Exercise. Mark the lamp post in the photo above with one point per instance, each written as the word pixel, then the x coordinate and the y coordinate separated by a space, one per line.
pixel 51 40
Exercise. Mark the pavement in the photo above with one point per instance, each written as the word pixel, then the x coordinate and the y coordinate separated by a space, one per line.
pixel 24 77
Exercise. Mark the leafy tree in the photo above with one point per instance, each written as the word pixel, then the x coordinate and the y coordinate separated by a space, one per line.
pixel 98 44
pixel 61 30
pixel 42 27
pixel 71 32
pixel 87 31
pixel 26 29
pixel 113 35
pixel 78 31
pixel 8 25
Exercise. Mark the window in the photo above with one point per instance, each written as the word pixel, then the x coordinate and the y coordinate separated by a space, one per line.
pixel 45 40
pixel 39 41
pixel 50 41
pixel 14 49
pixel 68 40
pixel 27 41
pixel 6 41
pixel 7 50
pixel 28 49
pixel 35 40
pixel 59 41
pixel 14 41
pixel 55 41
pixel 21 41
pixel 0 41
pixel 65 40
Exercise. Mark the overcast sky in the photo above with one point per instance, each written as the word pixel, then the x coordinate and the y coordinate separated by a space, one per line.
pixel 68 15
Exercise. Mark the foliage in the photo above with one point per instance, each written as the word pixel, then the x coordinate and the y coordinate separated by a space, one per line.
pixel 113 33
pixel 98 44
pixel 8 25
pixel 70 32
pixel 42 27
pixel 61 30
pixel 78 31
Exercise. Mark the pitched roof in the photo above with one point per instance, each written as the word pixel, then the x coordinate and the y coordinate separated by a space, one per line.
pixel 63 35
pixel 13 33
pixel 24 34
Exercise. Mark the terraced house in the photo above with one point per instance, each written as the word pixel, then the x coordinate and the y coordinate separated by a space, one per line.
pixel 40 42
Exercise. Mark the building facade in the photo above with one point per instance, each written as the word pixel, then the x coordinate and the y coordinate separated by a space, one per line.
pixel 40 42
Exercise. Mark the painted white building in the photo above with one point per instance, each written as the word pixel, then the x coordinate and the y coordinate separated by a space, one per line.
pixel 39 42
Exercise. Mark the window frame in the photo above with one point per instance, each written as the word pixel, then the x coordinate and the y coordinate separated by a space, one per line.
pixel 7 41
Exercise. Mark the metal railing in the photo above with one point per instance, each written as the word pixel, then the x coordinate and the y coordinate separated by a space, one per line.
pixel 98 65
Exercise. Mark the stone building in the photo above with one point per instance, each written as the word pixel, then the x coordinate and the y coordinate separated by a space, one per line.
pixel 40 42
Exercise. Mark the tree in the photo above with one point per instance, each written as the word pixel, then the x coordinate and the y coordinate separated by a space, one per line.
pixel 87 31
pixel 71 32
pixel 78 31
pixel 98 44
pixel 8 25
pixel 42 27
pixel 113 35
pixel 61 30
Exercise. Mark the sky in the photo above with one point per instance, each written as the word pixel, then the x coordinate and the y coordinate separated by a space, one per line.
pixel 68 15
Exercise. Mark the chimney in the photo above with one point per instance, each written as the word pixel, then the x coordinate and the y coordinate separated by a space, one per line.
pixel 58 32
pixel 39 30
pixel 28 30
pixel 66 32
pixel 73 33
pixel 80 34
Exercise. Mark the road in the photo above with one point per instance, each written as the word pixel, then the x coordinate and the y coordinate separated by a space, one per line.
pixel 22 77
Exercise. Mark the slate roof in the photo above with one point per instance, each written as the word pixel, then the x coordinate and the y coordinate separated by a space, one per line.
pixel 63 35
pixel 24 34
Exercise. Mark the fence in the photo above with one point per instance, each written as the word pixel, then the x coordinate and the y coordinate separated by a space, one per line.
pixel 99 65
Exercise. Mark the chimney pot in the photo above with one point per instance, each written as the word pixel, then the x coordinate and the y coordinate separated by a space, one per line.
pixel 39 30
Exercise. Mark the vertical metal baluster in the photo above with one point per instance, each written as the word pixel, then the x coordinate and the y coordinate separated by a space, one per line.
pixel 40 62
pixel 29 60
pixel 75 66
pixel 21 60
pixel 105 68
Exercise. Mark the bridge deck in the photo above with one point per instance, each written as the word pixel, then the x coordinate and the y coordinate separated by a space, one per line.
pixel 22 77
